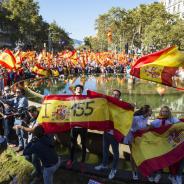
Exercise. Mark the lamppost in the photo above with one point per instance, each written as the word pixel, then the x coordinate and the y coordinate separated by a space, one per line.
pixel 50 40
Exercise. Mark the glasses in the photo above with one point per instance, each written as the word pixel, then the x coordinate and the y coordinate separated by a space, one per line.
pixel 18 91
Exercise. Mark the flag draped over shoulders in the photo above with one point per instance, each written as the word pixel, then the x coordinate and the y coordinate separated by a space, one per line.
pixel 157 148
pixel 160 67
pixel 94 111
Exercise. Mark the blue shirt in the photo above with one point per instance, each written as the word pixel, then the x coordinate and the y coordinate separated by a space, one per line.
pixel 159 122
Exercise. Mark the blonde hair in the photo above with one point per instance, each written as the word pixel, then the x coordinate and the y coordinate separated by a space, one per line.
pixel 169 115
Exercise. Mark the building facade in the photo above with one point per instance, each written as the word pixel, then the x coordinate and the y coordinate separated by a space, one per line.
pixel 174 7
pixel 6 30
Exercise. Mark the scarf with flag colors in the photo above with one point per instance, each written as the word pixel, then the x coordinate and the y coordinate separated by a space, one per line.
pixel 94 111
pixel 158 148
pixel 160 67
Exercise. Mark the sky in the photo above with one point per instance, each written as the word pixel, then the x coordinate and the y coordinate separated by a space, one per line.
pixel 77 17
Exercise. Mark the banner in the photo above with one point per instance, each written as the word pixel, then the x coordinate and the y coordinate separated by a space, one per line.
pixel 161 67
pixel 157 148
pixel 94 111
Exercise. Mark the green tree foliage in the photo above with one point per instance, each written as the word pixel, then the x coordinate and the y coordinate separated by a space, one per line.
pixel 58 38
pixel 25 14
pixel 146 26
pixel 30 27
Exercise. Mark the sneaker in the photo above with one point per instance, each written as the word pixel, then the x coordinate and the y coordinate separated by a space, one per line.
pixel 157 178
pixel 172 179
pixel 179 179
pixel 100 167
pixel 150 179
pixel 135 176
pixel 69 164
pixel 112 174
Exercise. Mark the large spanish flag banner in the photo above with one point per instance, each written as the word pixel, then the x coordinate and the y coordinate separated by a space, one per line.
pixel 94 111
pixel 158 148
pixel 160 67
pixel 7 59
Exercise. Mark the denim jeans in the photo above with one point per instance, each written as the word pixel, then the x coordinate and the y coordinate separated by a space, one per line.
pixel 1 84
pixel 6 128
pixel 48 172
pixel 34 159
pixel 22 136
pixel 108 140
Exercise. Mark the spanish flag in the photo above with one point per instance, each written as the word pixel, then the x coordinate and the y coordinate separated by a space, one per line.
pixel 160 67
pixel 158 148
pixel 109 36
pixel 39 70
pixel 7 59
pixel 94 111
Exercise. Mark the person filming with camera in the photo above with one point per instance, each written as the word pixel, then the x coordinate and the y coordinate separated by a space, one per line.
pixel 20 103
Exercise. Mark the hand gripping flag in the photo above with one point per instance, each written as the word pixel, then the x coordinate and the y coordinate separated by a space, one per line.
pixel 160 67
pixel 158 148
pixel 94 111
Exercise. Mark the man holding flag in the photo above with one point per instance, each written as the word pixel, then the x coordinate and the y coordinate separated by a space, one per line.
pixel 74 134
pixel 109 139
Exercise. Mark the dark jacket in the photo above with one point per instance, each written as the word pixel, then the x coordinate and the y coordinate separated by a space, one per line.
pixel 44 149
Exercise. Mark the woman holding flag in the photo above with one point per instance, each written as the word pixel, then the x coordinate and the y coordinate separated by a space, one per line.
pixel 165 118
pixel 140 122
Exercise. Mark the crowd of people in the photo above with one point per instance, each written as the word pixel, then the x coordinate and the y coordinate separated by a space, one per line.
pixel 38 147
pixel 19 119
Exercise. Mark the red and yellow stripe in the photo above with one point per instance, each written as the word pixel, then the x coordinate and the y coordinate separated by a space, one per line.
pixel 160 66
pixel 7 59
pixel 158 148
pixel 94 111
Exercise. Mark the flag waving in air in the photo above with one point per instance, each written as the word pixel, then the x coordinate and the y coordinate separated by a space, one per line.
pixel 7 59
pixel 161 67
pixel 94 111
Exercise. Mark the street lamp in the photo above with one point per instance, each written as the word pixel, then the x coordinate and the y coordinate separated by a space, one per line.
pixel 50 40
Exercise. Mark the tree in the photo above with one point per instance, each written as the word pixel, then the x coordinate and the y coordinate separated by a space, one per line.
pixel 142 27
pixel 30 28
pixel 176 34
pixel 58 38
pixel 25 13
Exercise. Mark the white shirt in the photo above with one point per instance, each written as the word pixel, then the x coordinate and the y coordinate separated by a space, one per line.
pixel 159 122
